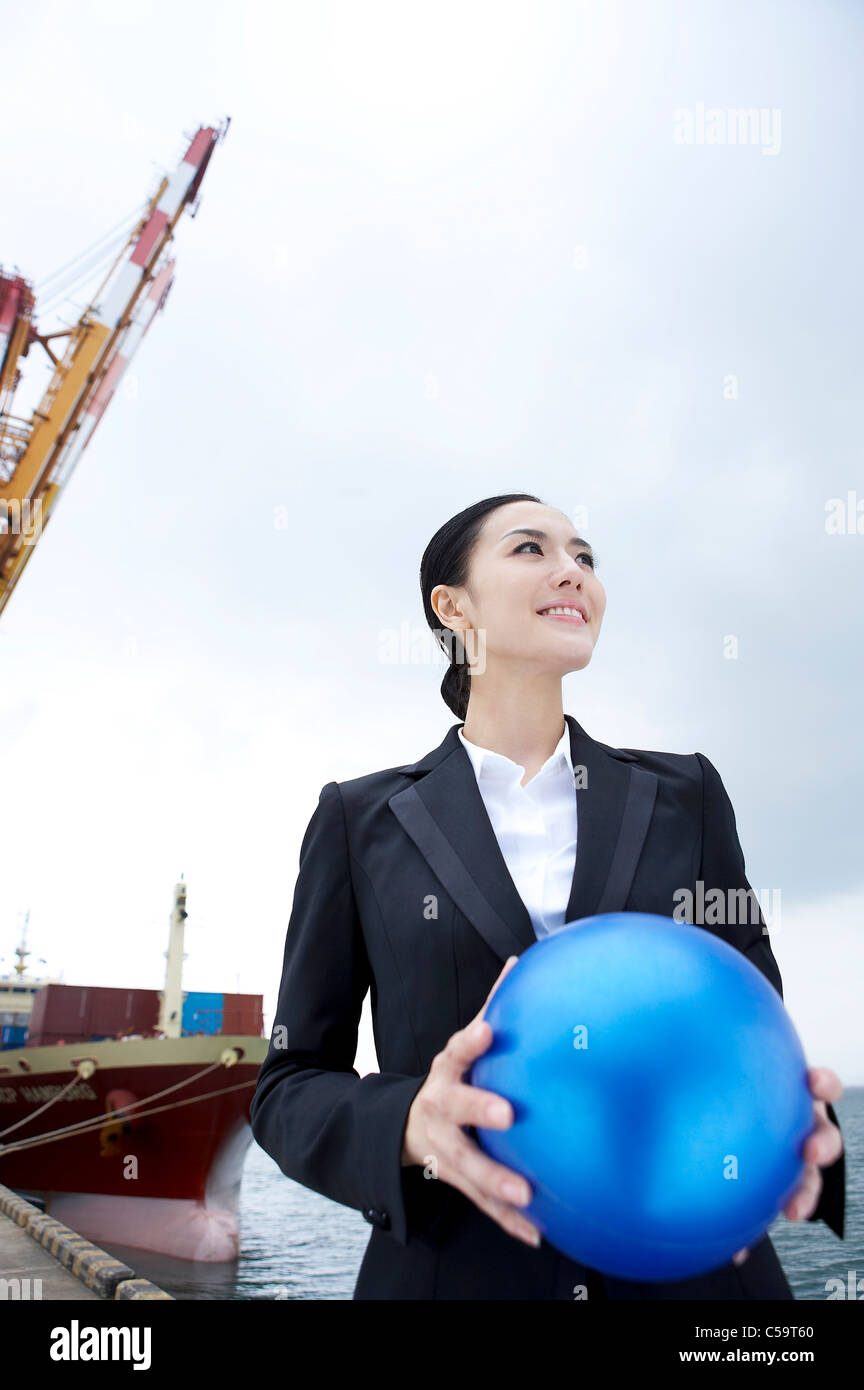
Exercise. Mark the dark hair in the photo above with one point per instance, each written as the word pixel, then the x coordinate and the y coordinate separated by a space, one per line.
pixel 447 560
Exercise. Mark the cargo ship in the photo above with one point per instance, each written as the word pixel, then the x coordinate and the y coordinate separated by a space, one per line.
pixel 125 1112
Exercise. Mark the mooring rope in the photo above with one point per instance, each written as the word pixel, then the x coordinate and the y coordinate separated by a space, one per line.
pixel 52 1136
pixel 101 1119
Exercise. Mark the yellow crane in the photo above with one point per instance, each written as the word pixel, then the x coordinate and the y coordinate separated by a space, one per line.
pixel 38 453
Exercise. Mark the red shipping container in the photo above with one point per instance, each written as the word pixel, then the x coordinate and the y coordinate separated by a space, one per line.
pixel 123 1010
pixel 76 1012
pixel 243 1014
pixel 61 1009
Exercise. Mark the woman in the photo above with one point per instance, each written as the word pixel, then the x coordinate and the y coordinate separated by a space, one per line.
pixel 421 882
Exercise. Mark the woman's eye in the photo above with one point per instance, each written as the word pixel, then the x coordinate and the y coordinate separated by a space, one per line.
pixel 583 555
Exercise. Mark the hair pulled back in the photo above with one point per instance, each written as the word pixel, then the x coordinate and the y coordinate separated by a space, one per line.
pixel 447 560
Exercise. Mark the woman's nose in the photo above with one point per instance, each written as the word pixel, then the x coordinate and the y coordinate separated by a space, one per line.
pixel 572 570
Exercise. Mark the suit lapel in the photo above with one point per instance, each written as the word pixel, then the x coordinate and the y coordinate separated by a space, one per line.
pixel 614 809
pixel 444 814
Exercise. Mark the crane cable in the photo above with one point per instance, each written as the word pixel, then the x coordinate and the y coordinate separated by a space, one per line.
pixel 130 216
pixel 87 265
pixel 88 272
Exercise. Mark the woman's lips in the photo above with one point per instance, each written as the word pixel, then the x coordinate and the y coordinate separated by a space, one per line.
pixel 575 618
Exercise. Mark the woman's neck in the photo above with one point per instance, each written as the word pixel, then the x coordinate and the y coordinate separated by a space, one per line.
pixel 526 730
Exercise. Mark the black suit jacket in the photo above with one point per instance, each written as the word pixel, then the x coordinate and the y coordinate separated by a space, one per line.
pixel 403 890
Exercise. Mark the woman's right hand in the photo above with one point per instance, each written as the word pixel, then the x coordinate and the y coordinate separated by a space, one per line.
pixel 433 1130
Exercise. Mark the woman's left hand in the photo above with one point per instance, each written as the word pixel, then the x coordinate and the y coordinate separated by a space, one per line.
pixel 821 1148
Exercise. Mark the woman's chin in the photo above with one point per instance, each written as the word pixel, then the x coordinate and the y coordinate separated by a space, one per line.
pixel 579 660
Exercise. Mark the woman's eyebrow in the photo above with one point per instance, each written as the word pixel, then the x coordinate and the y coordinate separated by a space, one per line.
pixel 542 536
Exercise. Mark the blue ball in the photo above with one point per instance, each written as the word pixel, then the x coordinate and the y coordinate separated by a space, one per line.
pixel 659 1092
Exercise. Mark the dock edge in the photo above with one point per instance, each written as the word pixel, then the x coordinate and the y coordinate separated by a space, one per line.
pixel 101 1272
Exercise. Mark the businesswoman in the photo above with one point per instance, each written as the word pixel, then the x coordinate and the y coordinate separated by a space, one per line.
pixel 422 883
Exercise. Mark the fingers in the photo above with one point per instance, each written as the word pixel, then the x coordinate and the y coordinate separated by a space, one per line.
pixel 469 1105
pixel 494 1188
pixel 463 1105
pixel 468 1043
pixel 494 1179
pixel 825 1145
pixel 806 1199
pixel 506 1216
pixel 740 1255
pixel 462 1048
pixel 824 1083
pixel 450 1105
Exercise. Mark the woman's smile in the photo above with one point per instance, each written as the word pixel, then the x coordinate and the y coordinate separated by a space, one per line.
pixel 569 617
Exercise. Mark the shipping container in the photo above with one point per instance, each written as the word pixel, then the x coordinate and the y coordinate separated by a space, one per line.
pixel 202 1013
pixel 60 1008
pixel 115 1011
pixel 243 1014
pixel 87 1013
pixel 80 1013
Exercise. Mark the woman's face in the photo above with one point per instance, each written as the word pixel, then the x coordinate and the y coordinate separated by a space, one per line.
pixel 512 578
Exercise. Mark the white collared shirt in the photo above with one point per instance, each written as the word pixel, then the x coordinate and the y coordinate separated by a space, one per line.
pixel 535 826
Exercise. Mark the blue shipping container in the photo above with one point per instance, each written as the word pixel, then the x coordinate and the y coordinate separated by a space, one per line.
pixel 202 1013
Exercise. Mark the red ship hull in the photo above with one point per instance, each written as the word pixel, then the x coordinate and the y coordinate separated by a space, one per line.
pixel 163 1175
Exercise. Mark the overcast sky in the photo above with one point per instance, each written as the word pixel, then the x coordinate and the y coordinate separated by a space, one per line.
pixel 445 251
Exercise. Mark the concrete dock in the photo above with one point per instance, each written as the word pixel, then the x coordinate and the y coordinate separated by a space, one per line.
pixel 27 1271
pixel 40 1258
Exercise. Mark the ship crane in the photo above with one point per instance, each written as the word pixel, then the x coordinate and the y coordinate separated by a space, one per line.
pixel 39 453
